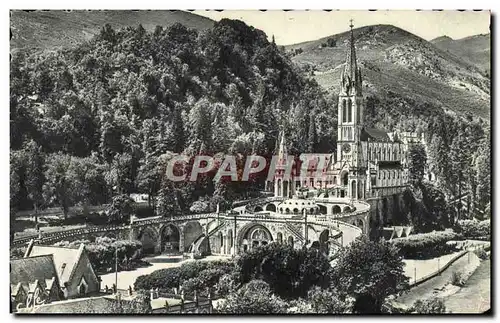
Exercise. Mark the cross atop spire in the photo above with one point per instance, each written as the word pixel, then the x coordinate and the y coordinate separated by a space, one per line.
pixel 351 75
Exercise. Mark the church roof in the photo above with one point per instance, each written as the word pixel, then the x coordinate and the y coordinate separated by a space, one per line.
pixel 30 269
pixel 374 134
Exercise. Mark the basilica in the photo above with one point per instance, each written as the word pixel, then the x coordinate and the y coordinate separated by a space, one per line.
pixel 368 163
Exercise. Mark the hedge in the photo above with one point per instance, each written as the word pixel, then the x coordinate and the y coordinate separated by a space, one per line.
pixel 426 245
pixel 195 275
pixel 472 229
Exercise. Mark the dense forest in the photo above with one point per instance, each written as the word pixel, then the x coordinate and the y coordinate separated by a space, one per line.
pixel 100 120
pixel 95 121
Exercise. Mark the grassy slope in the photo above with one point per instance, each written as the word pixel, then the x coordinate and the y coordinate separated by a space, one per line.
pixel 55 29
pixel 474 49
pixel 396 60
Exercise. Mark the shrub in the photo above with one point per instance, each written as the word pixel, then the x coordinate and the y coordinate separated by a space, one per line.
pixel 473 229
pixel 194 275
pixel 225 285
pixel 101 252
pixel 426 245
pixel 481 254
pixel 325 301
pixel 253 298
pixel 290 272
pixel 17 252
pixel 429 306
pixel 458 279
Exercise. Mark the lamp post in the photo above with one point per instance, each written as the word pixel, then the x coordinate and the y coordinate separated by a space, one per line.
pixel 116 270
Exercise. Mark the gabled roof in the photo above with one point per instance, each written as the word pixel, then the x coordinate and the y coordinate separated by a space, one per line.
pixel 374 134
pixel 65 259
pixel 28 270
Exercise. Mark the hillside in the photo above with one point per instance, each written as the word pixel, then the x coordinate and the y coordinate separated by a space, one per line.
pixel 473 49
pixel 395 60
pixel 58 28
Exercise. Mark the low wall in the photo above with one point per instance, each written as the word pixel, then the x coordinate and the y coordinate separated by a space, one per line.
pixel 436 273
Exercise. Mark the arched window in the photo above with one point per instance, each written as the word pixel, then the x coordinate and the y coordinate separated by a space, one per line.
pixel 344 112
pixel 349 105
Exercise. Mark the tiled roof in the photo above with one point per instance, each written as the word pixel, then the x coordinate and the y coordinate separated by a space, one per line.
pixel 28 270
pixel 65 259
pixel 100 305
pixel 374 134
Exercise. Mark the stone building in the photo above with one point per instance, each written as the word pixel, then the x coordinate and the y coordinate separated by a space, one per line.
pixel 33 281
pixel 368 163
pixel 74 270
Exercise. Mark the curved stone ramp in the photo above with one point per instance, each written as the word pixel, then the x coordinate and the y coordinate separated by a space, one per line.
pixel 201 244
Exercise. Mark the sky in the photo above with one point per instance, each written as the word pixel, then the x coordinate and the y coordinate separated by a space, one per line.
pixel 291 27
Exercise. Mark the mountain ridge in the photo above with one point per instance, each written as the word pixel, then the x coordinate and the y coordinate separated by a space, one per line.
pixel 54 29
pixel 397 60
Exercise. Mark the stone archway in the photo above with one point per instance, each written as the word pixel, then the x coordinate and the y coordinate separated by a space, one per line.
pixel 279 238
pixel 336 209
pixel 149 239
pixel 290 241
pixel 259 237
pixel 346 209
pixel 322 209
pixel 253 235
pixel 353 189
pixel 192 231
pixel 258 208
pixel 271 207
pixel 169 238
pixel 280 193
pixel 361 190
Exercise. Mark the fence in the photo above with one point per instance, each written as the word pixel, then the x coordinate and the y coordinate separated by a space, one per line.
pixel 439 271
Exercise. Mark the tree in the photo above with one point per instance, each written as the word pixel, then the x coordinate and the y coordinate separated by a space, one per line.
pixel 119 176
pixel 483 172
pixel 417 162
pixel 57 189
pixel 288 271
pixel 148 178
pixel 324 301
pixel 120 209
pixel 429 306
pixel 35 175
pixel 200 126
pixel 312 136
pixel 255 297
pixel 369 271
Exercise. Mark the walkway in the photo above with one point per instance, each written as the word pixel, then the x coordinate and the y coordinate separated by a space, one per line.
pixel 474 297
pixel 426 289
pixel 127 278
pixel 425 267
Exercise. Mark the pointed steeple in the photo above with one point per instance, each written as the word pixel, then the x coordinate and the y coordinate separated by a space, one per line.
pixel 282 150
pixel 351 75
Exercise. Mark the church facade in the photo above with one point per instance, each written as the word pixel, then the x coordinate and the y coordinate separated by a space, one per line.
pixel 368 163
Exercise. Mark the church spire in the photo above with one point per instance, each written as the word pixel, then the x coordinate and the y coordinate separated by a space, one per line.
pixel 351 75
pixel 282 150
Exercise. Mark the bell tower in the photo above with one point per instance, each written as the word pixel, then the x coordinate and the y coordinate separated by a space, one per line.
pixel 350 119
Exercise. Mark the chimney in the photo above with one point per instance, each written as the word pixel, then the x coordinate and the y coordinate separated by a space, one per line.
pixel 29 248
